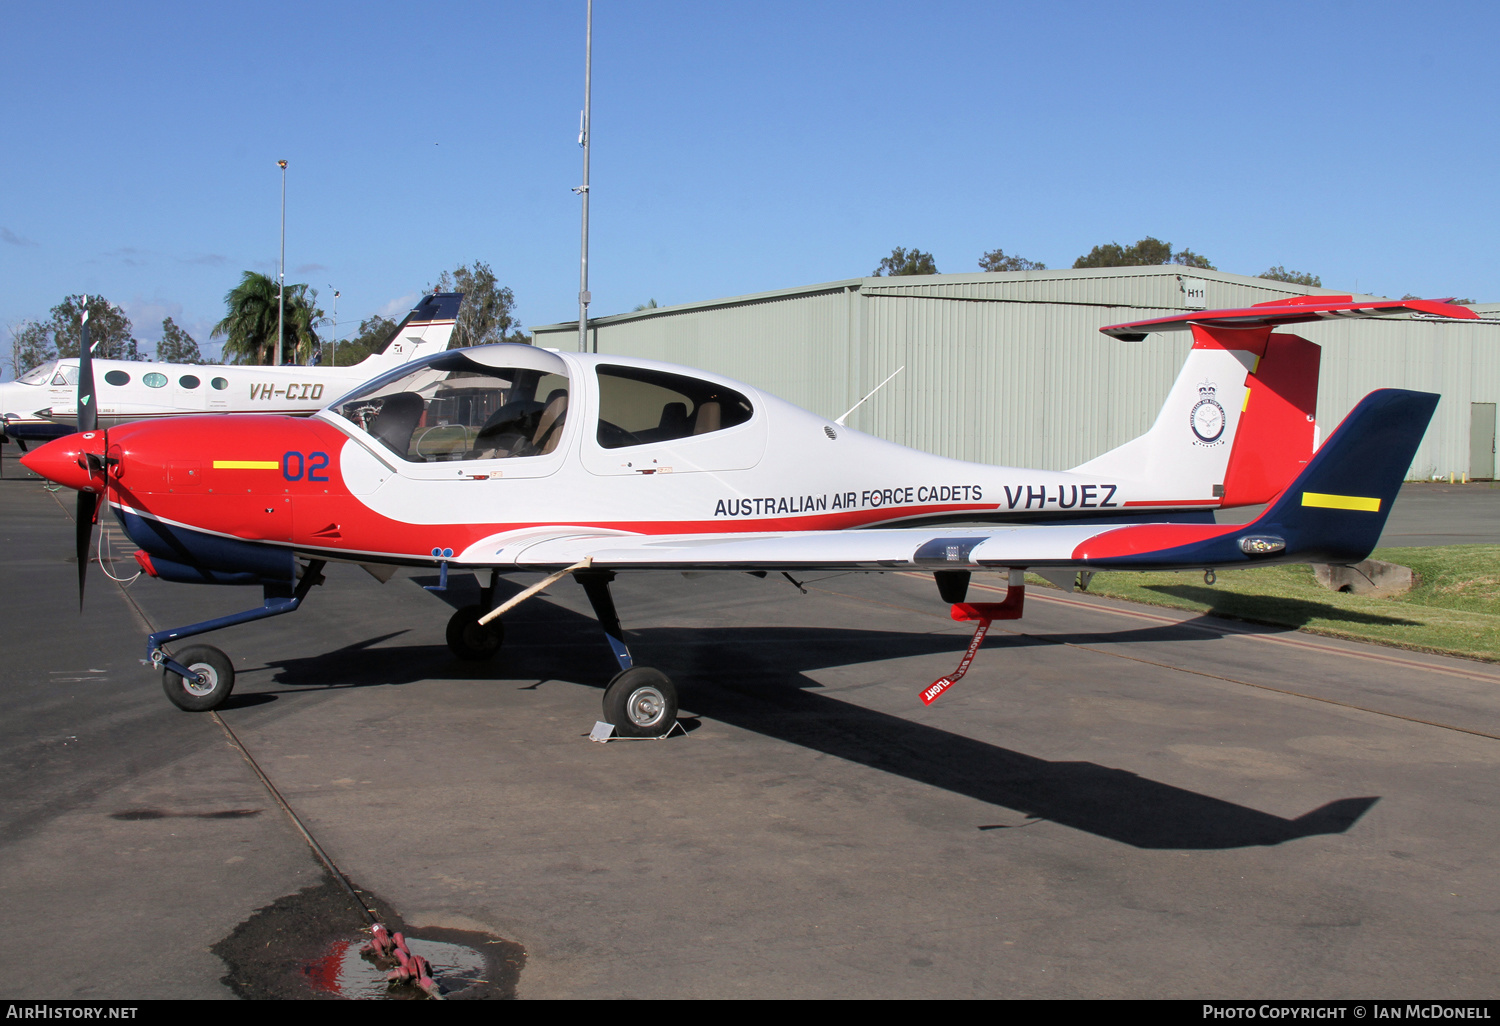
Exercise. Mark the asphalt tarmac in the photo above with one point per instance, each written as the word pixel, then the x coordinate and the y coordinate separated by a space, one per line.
pixel 1115 801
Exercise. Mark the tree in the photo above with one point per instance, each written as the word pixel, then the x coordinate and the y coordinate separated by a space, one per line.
pixel 1149 252
pixel 176 345
pixel 1413 295
pixel 996 260
pixel 302 315
pixel 1279 273
pixel 109 329
pixel 374 333
pixel 30 346
pixel 249 329
pixel 487 314
pixel 1190 259
pixel 649 304
pixel 903 262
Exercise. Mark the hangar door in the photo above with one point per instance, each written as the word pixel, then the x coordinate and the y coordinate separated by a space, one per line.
pixel 1481 441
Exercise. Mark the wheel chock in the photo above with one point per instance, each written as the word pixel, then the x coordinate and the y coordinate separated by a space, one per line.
pixel 604 733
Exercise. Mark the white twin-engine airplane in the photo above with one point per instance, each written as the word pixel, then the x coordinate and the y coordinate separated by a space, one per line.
pixel 42 403
pixel 511 458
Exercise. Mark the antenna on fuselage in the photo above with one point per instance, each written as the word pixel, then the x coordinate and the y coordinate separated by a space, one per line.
pixel 877 388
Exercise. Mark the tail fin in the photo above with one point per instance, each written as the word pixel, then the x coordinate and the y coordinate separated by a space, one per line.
pixel 424 331
pixel 1236 427
pixel 1335 510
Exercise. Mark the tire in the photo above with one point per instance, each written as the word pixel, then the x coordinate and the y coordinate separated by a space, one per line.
pixel 641 702
pixel 471 642
pixel 217 674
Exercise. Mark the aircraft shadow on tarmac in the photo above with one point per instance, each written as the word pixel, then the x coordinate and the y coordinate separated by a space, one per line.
pixel 1268 609
pixel 743 676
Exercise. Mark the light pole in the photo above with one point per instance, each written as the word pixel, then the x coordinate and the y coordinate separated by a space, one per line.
pixel 583 190
pixel 281 270
pixel 333 355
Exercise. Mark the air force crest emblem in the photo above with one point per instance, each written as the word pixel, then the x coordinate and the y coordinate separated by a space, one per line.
pixel 1207 418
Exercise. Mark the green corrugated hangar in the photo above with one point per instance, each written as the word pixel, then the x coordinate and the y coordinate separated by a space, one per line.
pixel 1010 368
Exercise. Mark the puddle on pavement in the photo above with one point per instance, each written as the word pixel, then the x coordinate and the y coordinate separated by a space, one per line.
pixel 307 945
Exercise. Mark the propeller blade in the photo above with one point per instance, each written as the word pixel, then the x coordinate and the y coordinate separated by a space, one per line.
pixel 88 503
pixel 88 406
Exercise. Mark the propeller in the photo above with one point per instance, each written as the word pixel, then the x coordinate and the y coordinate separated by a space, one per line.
pixel 88 420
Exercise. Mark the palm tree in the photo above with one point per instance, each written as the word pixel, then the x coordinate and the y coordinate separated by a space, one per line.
pixel 249 331
pixel 302 314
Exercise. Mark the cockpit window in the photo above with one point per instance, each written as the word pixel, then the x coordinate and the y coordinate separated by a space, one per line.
pixel 38 375
pixel 456 408
pixel 66 375
pixel 639 406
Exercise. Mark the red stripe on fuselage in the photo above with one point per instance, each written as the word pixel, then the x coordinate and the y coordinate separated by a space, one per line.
pixel 1173 502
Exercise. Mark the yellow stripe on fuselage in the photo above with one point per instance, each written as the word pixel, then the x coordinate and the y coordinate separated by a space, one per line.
pixel 1355 502
pixel 246 465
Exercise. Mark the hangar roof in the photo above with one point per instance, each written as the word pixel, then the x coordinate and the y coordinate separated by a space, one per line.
pixel 1159 286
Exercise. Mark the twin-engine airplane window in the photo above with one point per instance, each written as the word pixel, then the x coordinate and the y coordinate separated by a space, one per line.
pixel 639 406
pixel 38 375
pixel 455 408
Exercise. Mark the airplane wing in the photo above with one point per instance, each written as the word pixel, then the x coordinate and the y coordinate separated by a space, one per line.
pixel 1297 310
pixel 887 549
pixel 1333 512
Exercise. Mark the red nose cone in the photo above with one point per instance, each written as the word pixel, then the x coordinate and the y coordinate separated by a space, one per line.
pixel 65 461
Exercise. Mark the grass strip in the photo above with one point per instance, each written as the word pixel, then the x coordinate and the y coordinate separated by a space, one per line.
pixel 1453 610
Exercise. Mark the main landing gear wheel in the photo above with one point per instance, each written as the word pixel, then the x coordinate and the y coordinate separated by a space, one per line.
pixel 469 640
pixel 640 702
pixel 210 687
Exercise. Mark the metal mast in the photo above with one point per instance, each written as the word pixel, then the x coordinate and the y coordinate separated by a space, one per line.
pixel 583 190
pixel 281 269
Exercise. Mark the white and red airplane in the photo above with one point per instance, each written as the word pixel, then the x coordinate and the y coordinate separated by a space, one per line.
pixel 511 458
pixel 42 404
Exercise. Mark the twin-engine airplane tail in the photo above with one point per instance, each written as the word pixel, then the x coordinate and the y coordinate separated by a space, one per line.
pixel 424 331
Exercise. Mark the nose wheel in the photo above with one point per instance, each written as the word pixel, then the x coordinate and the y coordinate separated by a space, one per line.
pixel 210 684
pixel 470 640
pixel 640 702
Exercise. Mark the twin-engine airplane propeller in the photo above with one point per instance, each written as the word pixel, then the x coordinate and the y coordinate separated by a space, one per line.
pixel 511 458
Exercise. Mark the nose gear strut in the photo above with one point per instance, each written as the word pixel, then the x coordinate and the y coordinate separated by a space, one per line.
pixel 207 683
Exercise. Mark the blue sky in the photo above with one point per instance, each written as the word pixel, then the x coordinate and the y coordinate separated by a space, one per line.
pixel 737 148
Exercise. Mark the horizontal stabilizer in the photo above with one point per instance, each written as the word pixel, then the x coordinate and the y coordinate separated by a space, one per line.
pixel 1297 310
